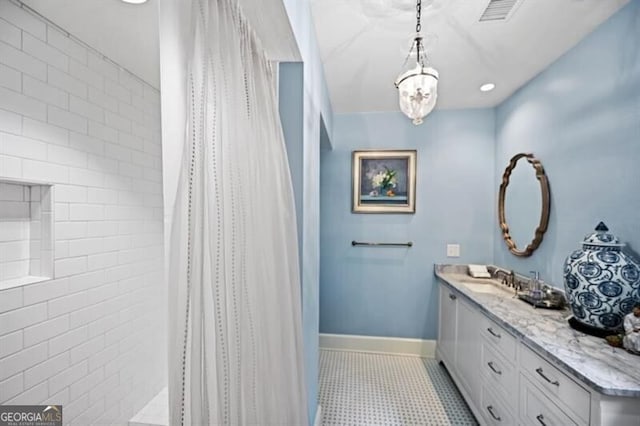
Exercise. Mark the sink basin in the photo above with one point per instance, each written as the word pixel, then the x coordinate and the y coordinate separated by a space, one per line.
pixel 483 288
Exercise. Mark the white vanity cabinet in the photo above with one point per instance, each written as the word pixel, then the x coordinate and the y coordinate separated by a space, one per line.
pixel 503 381
pixel 467 348
pixel 459 343
pixel 506 382
pixel 447 325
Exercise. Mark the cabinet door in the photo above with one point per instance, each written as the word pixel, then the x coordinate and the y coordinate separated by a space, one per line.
pixel 559 387
pixel 536 409
pixel 447 326
pixel 467 349
pixel 499 374
pixel 493 410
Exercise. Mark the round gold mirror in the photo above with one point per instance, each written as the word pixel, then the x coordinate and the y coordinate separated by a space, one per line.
pixel 523 204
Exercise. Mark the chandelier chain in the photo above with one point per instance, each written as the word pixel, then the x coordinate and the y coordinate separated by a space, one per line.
pixel 418 15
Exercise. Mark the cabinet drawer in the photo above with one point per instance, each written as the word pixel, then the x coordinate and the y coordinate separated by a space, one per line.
pixel 556 384
pixel 494 410
pixel 538 410
pixel 499 374
pixel 504 342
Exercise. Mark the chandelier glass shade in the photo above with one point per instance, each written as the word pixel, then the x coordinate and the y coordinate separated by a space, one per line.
pixel 418 92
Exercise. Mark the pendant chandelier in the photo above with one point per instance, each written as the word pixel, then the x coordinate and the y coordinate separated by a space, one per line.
pixel 417 87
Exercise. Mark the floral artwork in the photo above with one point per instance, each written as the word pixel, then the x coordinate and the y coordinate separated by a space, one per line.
pixel 384 181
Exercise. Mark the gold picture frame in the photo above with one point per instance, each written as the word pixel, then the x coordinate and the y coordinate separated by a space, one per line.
pixel 384 181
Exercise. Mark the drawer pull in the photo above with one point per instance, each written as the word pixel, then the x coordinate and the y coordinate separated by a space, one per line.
pixel 493 368
pixel 540 418
pixel 490 409
pixel 493 333
pixel 452 296
pixel 541 373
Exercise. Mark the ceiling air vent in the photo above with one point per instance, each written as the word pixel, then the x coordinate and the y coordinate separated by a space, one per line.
pixel 499 10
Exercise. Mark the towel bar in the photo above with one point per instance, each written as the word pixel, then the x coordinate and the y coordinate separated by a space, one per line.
pixel 362 243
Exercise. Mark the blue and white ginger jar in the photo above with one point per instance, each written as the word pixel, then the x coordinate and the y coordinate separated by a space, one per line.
pixel 602 281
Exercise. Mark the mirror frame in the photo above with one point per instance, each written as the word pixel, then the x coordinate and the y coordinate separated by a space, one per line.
pixel 544 214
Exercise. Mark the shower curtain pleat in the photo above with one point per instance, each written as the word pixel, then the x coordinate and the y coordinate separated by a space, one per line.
pixel 236 354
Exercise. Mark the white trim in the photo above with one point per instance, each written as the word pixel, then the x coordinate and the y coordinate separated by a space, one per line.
pixel 386 345
pixel 318 420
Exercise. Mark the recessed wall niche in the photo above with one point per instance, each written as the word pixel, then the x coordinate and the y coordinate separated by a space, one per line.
pixel 26 233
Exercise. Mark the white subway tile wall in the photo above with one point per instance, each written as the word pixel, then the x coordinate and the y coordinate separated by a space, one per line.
pixel 93 338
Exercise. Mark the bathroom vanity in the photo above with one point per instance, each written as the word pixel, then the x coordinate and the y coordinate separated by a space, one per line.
pixel 515 364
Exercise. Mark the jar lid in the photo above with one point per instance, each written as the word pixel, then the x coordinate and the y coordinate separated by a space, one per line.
pixel 602 237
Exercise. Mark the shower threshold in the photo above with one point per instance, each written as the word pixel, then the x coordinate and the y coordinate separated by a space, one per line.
pixel 155 413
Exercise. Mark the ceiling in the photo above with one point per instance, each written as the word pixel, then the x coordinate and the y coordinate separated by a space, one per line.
pixel 364 43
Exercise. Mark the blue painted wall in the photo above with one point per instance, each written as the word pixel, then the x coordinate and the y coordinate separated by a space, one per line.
pixel 290 106
pixel 391 291
pixel 316 128
pixel 581 118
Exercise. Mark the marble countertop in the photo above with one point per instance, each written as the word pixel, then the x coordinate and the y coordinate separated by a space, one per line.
pixel 608 370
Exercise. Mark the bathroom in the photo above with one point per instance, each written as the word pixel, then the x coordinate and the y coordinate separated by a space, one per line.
pixel 93 335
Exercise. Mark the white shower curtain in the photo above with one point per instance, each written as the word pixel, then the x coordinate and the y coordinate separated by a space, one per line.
pixel 235 338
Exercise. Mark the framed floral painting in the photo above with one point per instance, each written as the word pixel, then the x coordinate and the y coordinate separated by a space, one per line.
pixel 384 181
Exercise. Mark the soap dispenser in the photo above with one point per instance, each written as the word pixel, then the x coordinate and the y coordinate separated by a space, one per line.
pixel 535 287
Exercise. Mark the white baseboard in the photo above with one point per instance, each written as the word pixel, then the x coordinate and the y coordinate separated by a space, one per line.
pixel 318 420
pixel 384 345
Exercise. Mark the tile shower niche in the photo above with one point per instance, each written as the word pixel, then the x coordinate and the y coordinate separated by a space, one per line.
pixel 26 233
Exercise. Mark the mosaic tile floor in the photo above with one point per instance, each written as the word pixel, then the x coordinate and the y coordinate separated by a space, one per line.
pixel 370 389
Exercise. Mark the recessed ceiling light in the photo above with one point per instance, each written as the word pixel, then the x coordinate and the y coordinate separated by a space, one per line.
pixel 487 87
pixel 135 1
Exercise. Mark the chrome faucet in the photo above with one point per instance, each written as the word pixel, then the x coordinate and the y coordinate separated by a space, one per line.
pixel 508 278
pixel 517 284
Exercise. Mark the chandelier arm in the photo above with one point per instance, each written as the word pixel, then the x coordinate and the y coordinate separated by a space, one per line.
pixel 413 75
pixel 408 56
